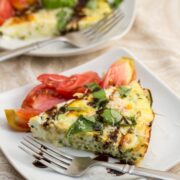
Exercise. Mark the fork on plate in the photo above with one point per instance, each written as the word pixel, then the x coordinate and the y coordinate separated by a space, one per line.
pixel 79 39
pixel 74 166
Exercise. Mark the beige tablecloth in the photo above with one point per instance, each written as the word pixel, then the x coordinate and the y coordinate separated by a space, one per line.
pixel 154 38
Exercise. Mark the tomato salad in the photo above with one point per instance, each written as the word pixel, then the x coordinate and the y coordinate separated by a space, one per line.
pixel 55 88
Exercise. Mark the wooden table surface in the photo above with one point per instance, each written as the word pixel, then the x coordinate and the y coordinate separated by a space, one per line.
pixel 154 38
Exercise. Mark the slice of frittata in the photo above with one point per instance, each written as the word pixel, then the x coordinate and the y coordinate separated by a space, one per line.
pixel 52 22
pixel 115 121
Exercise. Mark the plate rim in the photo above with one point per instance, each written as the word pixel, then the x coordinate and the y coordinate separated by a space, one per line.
pixel 112 49
pixel 93 48
pixel 93 59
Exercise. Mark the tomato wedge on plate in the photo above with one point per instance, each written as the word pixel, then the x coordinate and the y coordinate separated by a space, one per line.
pixel 42 98
pixel 53 90
pixel 18 119
pixel 67 86
pixel 122 72
pixel 76 83
pixel 6 10
pixel 51 80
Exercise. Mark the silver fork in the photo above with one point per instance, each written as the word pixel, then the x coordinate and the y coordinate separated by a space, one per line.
pixel 78 39
pixel 77 166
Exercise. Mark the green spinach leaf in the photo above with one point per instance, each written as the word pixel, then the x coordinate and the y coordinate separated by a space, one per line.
pixel 81 125
pixel 116 3
pixel 53 4
pixel 124 91
pixel 63 17
pixel 93 87
pixel 111 116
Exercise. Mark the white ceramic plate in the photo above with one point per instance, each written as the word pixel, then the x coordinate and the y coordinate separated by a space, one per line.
pixel 61 49
pixel 164 147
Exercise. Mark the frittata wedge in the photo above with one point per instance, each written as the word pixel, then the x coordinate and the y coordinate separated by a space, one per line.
pixel 52 22
pixel 115 121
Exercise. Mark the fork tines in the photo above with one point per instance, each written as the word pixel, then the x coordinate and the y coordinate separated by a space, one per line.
pixel 101 28
pixel 55 159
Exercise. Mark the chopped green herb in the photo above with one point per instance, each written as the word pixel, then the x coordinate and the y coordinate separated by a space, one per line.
pixel 124 91
pixel 128 121
pixel 100 99
pixel 63 17
pixel 131 120
pixel 81 125
pixel 93 87
pixel 91 118
pixel 116 3
pixel 53 4
pixel 84 124
pixel 111 116
pixel 100 94
pixel 75 108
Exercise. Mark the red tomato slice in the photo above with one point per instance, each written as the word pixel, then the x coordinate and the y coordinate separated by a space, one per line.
pixel 52 80
pixel 45 102
pixel 79 80
pixel 6 10
pixel 122 72
pixel 67 86
pixel 42 98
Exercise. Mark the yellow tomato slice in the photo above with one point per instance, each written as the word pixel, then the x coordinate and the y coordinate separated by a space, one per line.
pixel 122 72
pixel 18 119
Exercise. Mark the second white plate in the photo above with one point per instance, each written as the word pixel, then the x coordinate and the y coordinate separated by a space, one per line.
pixel 62 49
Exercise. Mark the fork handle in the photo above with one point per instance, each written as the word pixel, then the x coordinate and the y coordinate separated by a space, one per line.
pixel 25 49
pixel 139 171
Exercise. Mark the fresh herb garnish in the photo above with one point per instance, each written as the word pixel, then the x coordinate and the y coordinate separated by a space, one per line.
pixel 54 4
pixel 84 124
pixel 99 95
pixel 93 87
pixel 100 99
pixel 114 117
pixel 124 91
pixel 111 116
pixel 116 3
pixel 131 120
pixel 69 108
pixel 128 121
pixel 91 118
pixel 81 125
pixel 63 17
